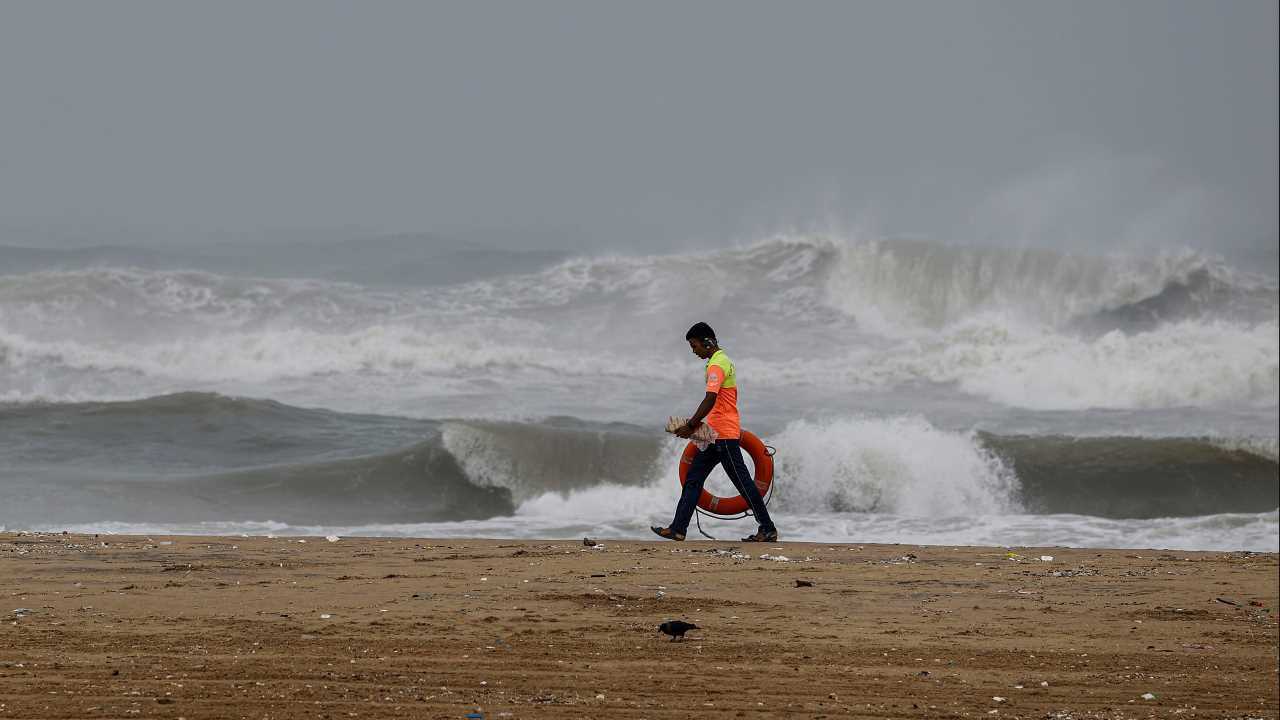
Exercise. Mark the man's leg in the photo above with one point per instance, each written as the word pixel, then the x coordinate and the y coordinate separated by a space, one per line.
pixel 736 468
pixel 700 467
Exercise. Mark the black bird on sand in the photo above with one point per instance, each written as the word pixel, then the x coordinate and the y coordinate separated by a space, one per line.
pixel 676 629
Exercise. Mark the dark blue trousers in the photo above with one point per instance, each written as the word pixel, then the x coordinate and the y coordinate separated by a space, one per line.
pixel 728 454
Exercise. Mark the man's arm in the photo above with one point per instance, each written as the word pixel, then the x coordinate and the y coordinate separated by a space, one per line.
pixel 708 402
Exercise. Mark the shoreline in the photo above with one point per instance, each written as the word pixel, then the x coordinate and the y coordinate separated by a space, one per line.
pixel 293 627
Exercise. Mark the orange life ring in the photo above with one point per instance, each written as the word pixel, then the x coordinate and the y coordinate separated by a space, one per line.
pixel 736 505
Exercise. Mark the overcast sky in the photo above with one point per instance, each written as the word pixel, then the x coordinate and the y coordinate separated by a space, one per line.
pixel 646 125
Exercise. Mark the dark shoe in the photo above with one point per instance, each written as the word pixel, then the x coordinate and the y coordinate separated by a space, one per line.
pixel 667 533
pixel 762 536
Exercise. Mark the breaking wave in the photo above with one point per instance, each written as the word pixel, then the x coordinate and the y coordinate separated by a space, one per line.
pixel 1024 328
pixel 199 458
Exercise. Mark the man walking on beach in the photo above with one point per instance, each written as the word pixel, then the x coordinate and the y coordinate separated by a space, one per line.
pixel 719 408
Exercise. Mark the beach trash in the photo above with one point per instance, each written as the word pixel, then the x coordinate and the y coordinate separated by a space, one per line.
pixel 1148 696
pixel 1047 558
pixel 332 538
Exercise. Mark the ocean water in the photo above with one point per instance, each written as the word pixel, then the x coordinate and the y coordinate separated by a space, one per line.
pixel 915 392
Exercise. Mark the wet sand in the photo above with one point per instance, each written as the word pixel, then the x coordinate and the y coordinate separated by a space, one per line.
pixel 196 627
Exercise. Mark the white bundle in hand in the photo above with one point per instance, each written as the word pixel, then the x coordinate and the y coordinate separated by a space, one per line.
pixel 702 437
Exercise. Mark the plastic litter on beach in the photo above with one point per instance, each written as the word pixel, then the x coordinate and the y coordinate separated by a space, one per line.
pixel 777 558
pixel 1148 696
pixel 332 538
pixel 1047 558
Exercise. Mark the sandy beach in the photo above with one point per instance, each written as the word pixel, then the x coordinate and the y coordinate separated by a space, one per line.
pixel 202 627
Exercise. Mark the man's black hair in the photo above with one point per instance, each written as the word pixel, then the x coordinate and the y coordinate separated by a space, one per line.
pixel 701 331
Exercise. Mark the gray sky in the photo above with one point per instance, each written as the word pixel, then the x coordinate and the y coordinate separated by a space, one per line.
pixel 646 125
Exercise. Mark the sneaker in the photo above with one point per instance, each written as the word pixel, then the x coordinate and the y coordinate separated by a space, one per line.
pixel 762 536
pixel 667 533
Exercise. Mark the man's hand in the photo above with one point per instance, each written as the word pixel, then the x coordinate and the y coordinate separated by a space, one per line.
pixel 692 425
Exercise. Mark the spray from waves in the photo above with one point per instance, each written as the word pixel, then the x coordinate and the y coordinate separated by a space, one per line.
pixel 1023 328
pixel 901 466
pixel 199 457
pixel 206 463
pixel 292 353
pixel 144 306
pixel 905 467
pixel 897 284
pixel 915 284
pixel 1210 291
pixel 1190 363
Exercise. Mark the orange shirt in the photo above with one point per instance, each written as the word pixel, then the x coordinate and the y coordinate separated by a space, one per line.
pixel 722 379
